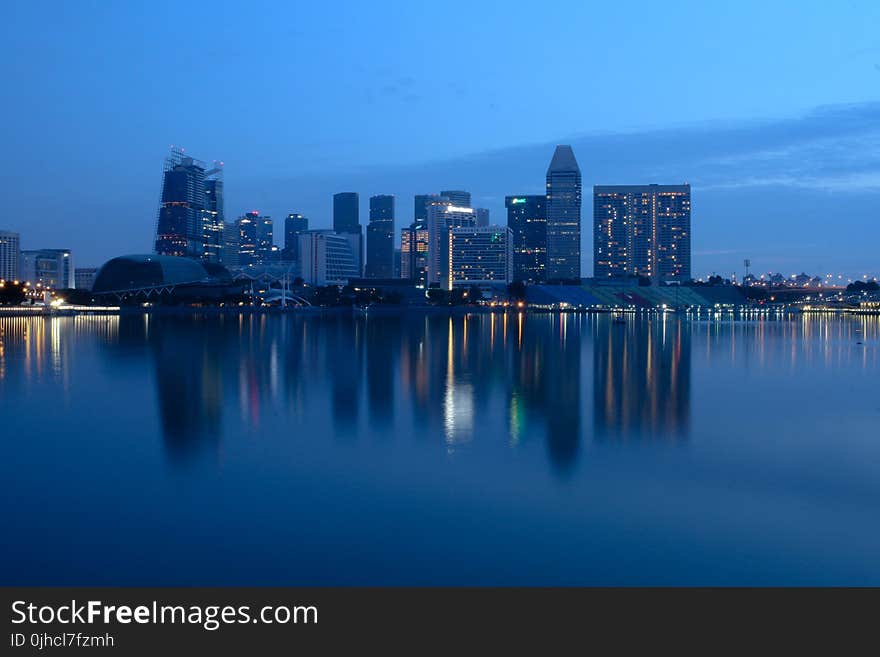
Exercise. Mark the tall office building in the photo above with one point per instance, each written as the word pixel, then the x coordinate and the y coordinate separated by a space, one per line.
pixel 563 216
pixel 265 250
pixel 480 254
pixel 642 230
pixel 247 239
pixel 527 219
pixel 10 254
pixel 482 217
pixel 231 244
pixel 380 237
pixel 212 217
pixel 421 204
pixel 443 216
pixel 414 252
pixel 328 257
pixel 48 267
pixel 346 212
pixel 458 197
pixel 294 224
pixel 190 221
pixel 346 219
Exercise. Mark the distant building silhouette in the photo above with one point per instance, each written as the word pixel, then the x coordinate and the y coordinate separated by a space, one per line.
pixel 482 216
pixel 421 204
pixel 642 230
pixel 380 238
pixel 458 197
pixel 10 254
pixel 563 216
pixel 346 219
pixel 231 244
pixel 294 224
pixel 84 278
pixel 527 219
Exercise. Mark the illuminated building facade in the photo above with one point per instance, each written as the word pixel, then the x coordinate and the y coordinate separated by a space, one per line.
pixel 642 230
pixel 48 267
pixel 443 216
pixel 527 220
pixel 480 254
pixel 563 216
pixel 414 252
pixel 212 217
pixel 380 238
pixel 10 254
pixel 247 239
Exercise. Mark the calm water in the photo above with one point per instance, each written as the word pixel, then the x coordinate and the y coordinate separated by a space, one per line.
pixel 538 449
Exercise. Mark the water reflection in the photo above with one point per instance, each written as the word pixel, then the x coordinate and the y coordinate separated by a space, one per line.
pixel 451 381
pixel 642 380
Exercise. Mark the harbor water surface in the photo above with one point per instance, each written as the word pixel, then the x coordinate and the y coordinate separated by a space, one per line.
pixel 504 449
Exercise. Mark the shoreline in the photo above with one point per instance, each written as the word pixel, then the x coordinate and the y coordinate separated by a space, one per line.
pixel 389 311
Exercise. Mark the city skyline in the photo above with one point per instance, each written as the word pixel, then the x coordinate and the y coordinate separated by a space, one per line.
pixel 706 261
pixel 762 158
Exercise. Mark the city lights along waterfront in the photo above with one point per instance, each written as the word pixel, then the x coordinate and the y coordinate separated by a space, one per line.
pixel 514 448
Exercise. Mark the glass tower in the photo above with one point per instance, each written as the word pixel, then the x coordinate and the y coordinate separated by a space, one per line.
pixel 380 237
pixel 563 216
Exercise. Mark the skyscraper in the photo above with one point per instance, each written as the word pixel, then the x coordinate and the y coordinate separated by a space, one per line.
pixel 212 218
pixel 346 219
pixel 294 224
pixel 458 197
pixel 49 267
pixel 420 206
pixel 265 238
pixel 482 217
pixel 231 244
pixel 190 221
pixel 380 237
pixel 247 239
pixel 563 216
pixel 443 216
pixel 10 253
pixel 346 212
pixel 642 230
pixel 527 219
pixel 414 252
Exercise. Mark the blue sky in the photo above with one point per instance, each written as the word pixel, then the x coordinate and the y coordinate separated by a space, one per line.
pixel 770 109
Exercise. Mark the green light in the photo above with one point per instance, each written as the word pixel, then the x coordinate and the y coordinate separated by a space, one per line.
pixel 517 201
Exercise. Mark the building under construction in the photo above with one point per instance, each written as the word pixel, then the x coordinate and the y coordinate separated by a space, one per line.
pixel 190 221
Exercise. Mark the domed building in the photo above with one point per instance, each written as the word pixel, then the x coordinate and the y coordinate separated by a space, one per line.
pixel 165 277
